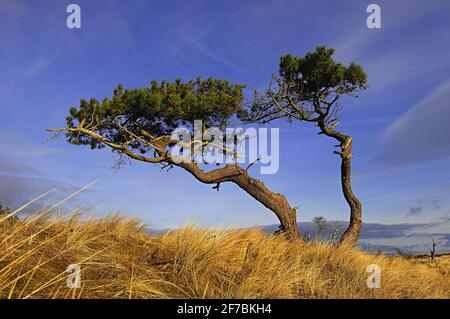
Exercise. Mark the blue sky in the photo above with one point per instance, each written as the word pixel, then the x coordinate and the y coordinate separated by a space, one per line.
pixel 399 125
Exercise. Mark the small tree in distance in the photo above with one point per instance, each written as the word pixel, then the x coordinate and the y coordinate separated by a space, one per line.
pixel 321 224
pixel 6 217
pixel 138 124
pixel 309 89
pixel 3 210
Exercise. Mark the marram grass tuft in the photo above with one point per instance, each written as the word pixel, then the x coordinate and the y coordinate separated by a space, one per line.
pixel 118 259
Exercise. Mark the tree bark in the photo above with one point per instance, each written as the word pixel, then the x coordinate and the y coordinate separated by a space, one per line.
pixel 352 233
pixel 230 173
pixel 277 203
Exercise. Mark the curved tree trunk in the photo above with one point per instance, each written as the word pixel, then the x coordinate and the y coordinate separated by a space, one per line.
pixel 351 234
pixel 353 231
pixel 277 203
pixel 229 173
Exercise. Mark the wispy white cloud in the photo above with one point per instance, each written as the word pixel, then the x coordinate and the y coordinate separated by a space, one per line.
pixel 37 38
pixel 107 29
pixel 8 166
pixel 13 8
pixel 422 133
pixel 195 43
pixel 16 191
pixel 358 40
pixel 393 53
pixel 15 145
pixel 38 65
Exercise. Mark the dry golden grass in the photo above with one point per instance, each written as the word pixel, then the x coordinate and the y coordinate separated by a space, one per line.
pixel 440 263
pixel 119 260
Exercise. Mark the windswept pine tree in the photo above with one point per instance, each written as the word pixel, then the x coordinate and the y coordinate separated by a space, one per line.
pixel 310 89
pixel 138 124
